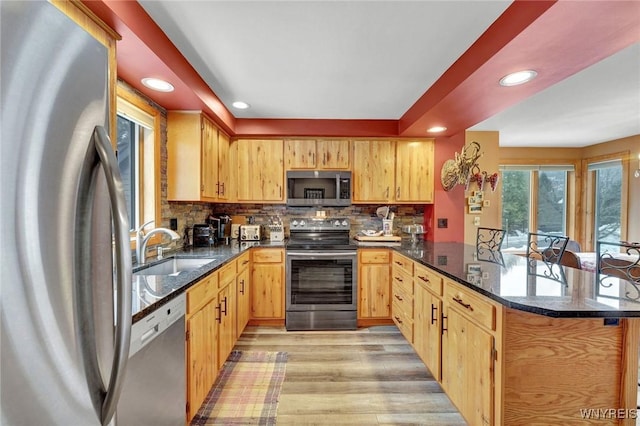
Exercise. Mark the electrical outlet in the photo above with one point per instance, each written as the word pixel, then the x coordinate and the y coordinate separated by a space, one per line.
pixel 476 221
pixel 443 223
pixel 173 224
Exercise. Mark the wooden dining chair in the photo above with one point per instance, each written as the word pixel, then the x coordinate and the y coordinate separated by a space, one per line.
pixel 546 247
pixel 570 259
pixel 621 260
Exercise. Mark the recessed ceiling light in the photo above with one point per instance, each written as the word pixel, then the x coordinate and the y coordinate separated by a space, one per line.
pixel 240 105
pixel 157 84
pixel 519 77
pixel 436 129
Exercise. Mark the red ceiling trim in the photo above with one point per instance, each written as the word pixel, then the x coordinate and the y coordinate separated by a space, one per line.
pixel 512 22
pixel 320 127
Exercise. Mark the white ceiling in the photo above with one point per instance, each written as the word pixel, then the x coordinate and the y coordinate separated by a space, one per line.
pixel 373 60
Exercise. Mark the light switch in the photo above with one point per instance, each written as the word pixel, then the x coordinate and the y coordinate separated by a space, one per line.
pixel 476 221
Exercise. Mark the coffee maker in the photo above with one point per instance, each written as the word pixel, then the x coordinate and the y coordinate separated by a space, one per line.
pixel 224 228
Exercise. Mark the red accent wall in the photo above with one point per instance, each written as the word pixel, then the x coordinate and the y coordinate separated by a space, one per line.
pixel 447 204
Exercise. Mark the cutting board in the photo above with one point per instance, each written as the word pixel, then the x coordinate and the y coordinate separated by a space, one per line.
pixel 380 238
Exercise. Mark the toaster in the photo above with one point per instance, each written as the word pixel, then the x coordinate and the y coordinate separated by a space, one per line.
pixel 250 232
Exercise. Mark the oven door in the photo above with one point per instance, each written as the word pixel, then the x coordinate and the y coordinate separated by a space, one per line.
pixel 321 280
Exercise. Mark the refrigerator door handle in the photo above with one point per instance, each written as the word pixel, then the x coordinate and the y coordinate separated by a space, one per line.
pixel 122 338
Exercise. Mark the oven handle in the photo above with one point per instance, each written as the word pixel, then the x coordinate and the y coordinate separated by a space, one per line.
pixel 312 253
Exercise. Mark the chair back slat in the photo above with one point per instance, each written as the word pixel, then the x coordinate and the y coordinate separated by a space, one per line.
pixel 547 247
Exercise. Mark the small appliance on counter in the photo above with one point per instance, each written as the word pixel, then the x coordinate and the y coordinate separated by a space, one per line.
pixel 204 235
pixel 276 232
pixel 250 233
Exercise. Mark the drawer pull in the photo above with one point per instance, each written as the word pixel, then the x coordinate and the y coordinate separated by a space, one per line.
pixel 399 263
pixel 245 262
pixel 466 305
pixel 434 310
pixel 398 278
pixel 425 279
pixel 224 311
pixel 241 286
pixel 398 319
pixel 398 297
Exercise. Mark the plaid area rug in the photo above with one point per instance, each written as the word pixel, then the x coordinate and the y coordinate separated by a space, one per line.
pixel 246 391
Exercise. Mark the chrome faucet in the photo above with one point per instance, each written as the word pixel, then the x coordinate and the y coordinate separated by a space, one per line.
pixel 142 239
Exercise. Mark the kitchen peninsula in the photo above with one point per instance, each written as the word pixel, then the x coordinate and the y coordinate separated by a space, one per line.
pixel 507 345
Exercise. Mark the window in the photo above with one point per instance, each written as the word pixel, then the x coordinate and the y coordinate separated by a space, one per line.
pixel 607 200
pixel 533 198
pixel 138 153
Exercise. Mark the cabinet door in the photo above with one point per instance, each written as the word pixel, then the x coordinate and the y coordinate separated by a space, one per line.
pixel 209 176
pixel 201 356
pixel 260 170
pixel 300 154
pixel 375 291
pixel 226 301
pixel 243 301
pixel 332 154
pixel 223 186
pixel 373 171
pixel 467 368
pixel 427 329
pixel 267 290
pixel 414 171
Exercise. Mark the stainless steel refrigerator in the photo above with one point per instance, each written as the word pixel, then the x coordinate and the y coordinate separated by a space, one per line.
pixel 66 261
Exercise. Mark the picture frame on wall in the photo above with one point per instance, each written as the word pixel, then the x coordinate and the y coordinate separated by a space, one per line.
pixel 475 208
pixel 474 268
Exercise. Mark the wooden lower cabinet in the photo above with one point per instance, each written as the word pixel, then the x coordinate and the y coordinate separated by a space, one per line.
pixel 227 321
pixel 243 297
pixel 374 285
pixel 267 284
pixel 402 308
pixel 427 328
pixel 201 341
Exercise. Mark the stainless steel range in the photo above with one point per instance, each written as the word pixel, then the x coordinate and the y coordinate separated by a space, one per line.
pixel 321 280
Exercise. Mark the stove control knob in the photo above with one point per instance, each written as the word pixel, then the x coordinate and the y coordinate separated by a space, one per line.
pixel 302 223
pixel 294 223
pixel 345 223
pixel 336 223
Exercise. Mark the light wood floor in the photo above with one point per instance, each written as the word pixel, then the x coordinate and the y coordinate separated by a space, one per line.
pixel 369 376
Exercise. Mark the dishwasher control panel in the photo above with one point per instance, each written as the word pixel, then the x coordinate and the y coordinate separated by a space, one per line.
pixel 151 326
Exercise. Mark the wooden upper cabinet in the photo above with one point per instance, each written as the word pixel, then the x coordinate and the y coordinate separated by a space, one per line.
pixel 198 158
pixel 373 170
pixel 414 171
pixel 224 186
pixel 319 154
pixel 260 170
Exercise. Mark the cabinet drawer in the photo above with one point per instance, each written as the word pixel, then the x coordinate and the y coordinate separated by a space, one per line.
pixel 402 299
pixel 201 293
pixel 242 262
pixel 404 323
pixel 402 262
pixel 374 256
pixel 428 279
pixel 402 279
pixel 268 256
pixel 226 274
pixel 475 306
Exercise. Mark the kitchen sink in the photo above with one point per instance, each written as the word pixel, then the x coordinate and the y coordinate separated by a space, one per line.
pixel 174 266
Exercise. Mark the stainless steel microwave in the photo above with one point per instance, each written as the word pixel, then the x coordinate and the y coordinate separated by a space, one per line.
pixel 318 188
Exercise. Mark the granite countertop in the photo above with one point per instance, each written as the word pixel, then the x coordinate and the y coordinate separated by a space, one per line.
pixel 152 291
pixel 506 278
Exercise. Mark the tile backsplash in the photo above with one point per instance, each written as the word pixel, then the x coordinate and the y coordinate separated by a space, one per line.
pixel 363 216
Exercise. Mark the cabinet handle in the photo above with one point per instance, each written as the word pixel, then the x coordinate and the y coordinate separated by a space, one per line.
pixel 398 297
pixel 224 311
pixel 466 305
pixel 219 318
pixel 442 318
pixel 425 279
pixel 245 262
pixel 324 159
pixel 241 286
pixel 398 319
pixel 398 278
pixel 434 309
pixel 313 157
pixel 387 196
pixel 222 185
pixel 399 263
pixel 218 188
pixel 398 193
pixel 280 192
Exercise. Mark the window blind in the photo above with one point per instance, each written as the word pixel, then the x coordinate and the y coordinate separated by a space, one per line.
pixel 540 168
pixel 604 165
pixel 135 114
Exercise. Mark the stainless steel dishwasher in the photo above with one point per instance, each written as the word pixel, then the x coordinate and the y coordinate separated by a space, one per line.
pixel 154 389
